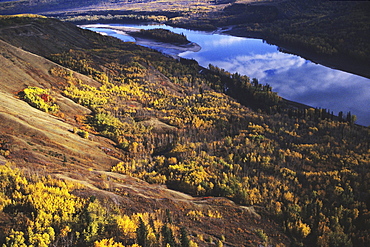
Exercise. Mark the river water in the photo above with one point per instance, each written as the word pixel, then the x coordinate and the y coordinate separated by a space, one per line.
pixel 292 77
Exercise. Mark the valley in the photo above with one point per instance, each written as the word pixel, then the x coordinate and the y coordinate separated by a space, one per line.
pixel 107 143
pixel 285 73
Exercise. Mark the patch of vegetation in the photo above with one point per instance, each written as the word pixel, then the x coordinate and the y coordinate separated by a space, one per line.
pixel 43 211
pixel 305 168
pixel 9 20
pixel 110 17
pixel 83 133
pixel 163 35
pixel 17 17
pixel 40 99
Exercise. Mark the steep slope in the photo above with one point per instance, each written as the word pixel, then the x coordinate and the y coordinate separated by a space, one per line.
pixel 44 144
pixel 169 122
pixel 42 36
pixel 36 137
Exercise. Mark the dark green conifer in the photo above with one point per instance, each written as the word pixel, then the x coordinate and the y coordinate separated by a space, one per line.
pixel 185 242
pixel 142 233
pixel 168 237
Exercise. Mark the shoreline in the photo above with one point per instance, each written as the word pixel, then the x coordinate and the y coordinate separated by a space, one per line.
pixel 179 48
pixel 174 51
pixel 340 62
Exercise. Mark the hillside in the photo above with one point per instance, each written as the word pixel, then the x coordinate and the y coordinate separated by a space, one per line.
pixel 60 6
pixel 332 33
pixel 41 133
pixel 127 132
pixel 44 144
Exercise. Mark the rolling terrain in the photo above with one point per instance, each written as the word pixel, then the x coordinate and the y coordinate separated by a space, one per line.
pixel 44 144
pixel 145 149
pixel 332 33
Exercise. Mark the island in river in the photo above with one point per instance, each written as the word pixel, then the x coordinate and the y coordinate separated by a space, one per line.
pixel 153 38
pixel 324 88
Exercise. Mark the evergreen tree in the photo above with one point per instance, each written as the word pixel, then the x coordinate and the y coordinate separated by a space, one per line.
pixel 168 215
pixel 185 242
pixel 142 233
pixel 168 237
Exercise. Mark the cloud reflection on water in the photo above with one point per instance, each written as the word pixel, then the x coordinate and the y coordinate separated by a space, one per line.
pixel 300 80
pixel 223 41
pixel 293 77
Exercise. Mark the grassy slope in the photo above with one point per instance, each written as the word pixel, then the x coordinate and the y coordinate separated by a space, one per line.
pixel 33 134
pixel 44 144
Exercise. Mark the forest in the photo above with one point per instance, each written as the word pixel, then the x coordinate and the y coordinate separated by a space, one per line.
pixel 44 212
pixel 163 35
pixel 203 131
pixel 323 29
pixel 332 33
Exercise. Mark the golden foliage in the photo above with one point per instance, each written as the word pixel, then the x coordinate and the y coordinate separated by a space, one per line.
pixel 107 243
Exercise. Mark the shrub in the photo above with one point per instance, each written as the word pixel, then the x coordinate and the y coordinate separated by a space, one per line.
pixel 83 133
pixel 260 233
pixel 40 99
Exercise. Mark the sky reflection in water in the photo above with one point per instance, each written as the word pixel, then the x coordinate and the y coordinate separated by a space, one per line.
pixel 293 77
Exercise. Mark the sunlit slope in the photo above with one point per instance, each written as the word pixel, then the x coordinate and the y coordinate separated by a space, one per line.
pixel 16 7
pixel 294 169
pixel 37 137
pixel 50 144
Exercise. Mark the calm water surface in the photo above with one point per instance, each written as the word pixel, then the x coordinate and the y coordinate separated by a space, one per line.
pixel 292 77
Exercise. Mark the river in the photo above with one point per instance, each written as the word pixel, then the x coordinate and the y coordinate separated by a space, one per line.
pixel 291 76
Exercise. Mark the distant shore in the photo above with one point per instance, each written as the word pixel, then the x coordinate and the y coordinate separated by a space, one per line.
pixel 340 62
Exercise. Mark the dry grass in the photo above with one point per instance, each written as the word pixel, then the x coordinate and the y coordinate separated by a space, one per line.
pixel 36 136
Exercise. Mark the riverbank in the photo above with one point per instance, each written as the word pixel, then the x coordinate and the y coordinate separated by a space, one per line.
pixel 130 31
pixel 324 88
pixel 340 62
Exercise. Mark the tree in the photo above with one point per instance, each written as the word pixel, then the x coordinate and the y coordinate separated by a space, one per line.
pixel 168 237
pixel 219 243
pixel 142 233
pixel 185 242
pixel 107 243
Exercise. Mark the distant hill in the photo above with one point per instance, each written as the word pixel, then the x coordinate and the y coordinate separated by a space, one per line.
pixel 332 33
pixel 37 6
pixel 43 6
pixel 42 36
